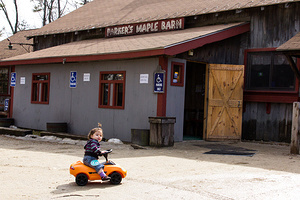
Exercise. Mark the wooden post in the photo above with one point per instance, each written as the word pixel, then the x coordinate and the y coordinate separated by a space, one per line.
pixel 295 129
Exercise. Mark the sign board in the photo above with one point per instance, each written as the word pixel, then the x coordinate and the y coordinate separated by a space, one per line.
pixel 159 83
pixel 73 79
pixel 22 80
pixel 86 77
pixel 13 79
pixel 6 104
pixel 144 78
pixel 145 27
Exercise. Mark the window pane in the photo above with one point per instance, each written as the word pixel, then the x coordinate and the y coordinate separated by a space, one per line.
pixel 119 94
pixel 176 73
pixel 4 80
pixel 3 87
pixel 118 76
pixel 111 93
pixel 104 94
pixel 34 92
pixel 260 66
pixel 283 76
pixel 3 74
pixel 259 76
pixel 269 71
pixel 40 77
pixel 107 77
pixel 112 77
pixel 45 92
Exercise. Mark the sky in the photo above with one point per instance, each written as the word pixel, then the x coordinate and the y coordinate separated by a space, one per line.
pixel 25 8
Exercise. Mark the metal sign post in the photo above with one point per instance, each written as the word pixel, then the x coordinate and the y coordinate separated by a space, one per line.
pixel 159 82
pixel 73 79
pixel 13 79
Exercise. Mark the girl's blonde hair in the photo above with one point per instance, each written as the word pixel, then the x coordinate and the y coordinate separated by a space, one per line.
pixel 94 130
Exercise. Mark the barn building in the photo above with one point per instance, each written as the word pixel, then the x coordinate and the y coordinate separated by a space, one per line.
pixel 212 65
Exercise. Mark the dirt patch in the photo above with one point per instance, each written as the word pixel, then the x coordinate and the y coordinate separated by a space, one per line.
pixel 40 170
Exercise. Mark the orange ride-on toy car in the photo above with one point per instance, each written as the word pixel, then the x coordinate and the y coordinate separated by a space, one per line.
pixel 85 173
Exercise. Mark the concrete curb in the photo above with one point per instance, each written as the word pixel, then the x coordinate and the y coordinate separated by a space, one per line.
pixel 63 135
pixel 24 132
pixel 14 131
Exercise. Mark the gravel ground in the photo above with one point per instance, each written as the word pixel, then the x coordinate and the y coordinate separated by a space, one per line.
pixel 38 168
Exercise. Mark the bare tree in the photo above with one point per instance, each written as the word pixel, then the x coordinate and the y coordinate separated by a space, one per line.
pixel 1 31
pixel 49 10
pixel 77 3
pixel 14 28
pixel 85 1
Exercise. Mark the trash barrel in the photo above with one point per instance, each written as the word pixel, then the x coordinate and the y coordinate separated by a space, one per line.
pixel 162 131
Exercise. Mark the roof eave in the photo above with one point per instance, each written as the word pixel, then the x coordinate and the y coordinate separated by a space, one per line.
pixel 85 58
pixel 170 50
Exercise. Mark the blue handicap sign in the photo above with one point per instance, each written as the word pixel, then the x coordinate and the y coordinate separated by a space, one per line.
pixel 6 104
pixel 159 82
pixel 73 79
pixel 13 79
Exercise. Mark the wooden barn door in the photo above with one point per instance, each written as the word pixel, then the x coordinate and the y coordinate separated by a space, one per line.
pixel 224 101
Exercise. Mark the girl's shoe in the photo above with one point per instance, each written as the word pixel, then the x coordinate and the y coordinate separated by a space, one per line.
pixel 106 178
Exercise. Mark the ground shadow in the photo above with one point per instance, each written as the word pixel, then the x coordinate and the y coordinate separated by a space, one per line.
pixel 68 190
pixel 222 149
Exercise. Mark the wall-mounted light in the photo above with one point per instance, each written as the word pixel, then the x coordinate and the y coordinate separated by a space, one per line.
pixel 191 52
pixel 286 5
pixel 10 45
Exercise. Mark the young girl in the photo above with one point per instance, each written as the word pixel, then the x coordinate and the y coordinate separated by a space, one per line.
pixel 92 151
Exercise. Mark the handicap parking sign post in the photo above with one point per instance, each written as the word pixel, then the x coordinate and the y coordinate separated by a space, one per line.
pixel 6 104
pixel 73 79
pixel 13 79
pixel 159 78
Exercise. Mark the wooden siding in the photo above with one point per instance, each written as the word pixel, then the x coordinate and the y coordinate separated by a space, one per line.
pixel 274 25
pixel 43 42
pixel 270 27
pixel 229 51
pixel 261 126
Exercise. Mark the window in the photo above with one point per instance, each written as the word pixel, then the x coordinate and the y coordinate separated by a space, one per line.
pixel 269 71
pixel 40 88
pixel 177 74
pixel 4 81
pixel 112 90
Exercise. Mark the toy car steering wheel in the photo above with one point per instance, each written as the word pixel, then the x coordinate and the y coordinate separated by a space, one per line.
pixel 105 154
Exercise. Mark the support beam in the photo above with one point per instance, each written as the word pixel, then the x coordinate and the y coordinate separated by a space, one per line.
pixel 293 65
pixel 162 97
pixel 294 148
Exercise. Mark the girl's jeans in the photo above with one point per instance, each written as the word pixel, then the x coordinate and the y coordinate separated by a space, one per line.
pixel 93 163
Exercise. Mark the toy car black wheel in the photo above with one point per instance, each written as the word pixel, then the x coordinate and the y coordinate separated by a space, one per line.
pixel 115 178
pixel 82 179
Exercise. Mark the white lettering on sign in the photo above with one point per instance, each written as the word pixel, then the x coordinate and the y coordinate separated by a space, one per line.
pixel 146 27
pixel 171 25
pixel 121 30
